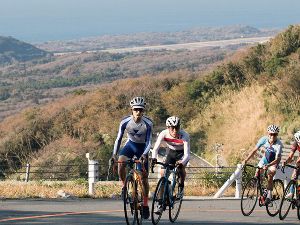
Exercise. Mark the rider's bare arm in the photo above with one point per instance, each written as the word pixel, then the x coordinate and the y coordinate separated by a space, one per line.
pixel 250 155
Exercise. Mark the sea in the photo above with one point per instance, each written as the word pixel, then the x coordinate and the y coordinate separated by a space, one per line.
pixel 37 21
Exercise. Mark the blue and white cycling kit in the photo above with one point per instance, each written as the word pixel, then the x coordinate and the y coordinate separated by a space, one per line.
pixel 139 137
pixel 272 152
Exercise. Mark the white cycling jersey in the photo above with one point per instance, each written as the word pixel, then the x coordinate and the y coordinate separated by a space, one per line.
pixel 182 142
pixel 136 132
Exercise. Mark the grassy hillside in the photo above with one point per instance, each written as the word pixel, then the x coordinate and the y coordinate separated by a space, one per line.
pixel 13 50
pixel 231 104
pixel 36 82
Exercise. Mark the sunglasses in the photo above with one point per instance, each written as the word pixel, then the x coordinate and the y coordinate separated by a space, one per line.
pixel 174 128
pixel 138 109
pixel 273 134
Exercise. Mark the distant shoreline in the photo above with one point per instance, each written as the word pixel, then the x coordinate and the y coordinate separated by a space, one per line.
pixel 188 46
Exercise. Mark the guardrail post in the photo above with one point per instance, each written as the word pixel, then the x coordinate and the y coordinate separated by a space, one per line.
pixel 238 182
pixel 27 172
pixel 237 173
pixel 93 173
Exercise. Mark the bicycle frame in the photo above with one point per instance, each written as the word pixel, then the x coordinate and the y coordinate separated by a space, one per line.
pixel 133 170
pixel 168 189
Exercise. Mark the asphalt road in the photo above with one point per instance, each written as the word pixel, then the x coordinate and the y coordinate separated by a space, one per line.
pixel 99 211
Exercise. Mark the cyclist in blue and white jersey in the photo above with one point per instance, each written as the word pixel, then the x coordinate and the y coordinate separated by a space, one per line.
pixel 273 150
pixel 178 147
pixel 139 134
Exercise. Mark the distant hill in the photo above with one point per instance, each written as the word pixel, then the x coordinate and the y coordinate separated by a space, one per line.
pixel 13 50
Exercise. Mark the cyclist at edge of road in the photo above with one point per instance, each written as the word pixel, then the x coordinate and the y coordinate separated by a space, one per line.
pixel 178 149
pixel 139 134
pixel 273 150
pixel 295 147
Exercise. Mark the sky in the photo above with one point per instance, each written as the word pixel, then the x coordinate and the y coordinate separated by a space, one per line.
pixel 46 20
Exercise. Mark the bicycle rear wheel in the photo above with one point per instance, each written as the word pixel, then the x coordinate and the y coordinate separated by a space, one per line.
pixel 130 201
pixel 175 202
pixel 277 194
pixel 249 197
pixel 158 200
pixel 287 201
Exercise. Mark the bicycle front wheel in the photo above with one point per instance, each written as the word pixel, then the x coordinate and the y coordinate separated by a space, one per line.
pixel 140 201
pixel 287 200
pixel 277 194
pixel 130 201
pixel 298 205
pixel 175 203
pixel 249 197
pixel 158 201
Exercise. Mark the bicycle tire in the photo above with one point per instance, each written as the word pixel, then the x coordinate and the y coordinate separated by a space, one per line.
pixel 129 201
pixel 249 196
pixel 140 202
pixel 298 211
pixel 174 212
pixel 286 203
pixel 277 194
pixel 159 187
pixel 298 207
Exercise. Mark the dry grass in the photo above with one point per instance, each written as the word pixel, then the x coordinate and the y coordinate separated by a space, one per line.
pixel 41 189
pixel 111 189
pixel 237 120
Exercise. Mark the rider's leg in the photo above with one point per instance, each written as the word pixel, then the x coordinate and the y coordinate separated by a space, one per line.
pixel 182 175
pixel 271 174
pixel 122 168
pixel 162 173
pixel 294 177
pixel 125 154
pixel 145 182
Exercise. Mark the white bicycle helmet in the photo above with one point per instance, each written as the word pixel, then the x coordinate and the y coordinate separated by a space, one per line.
pixel 297 136
pixel 137 102
pixel 273 129
pixel 173 121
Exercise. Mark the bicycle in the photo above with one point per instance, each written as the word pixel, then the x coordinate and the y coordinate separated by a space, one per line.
pixel 294 199
pixel 254 190
pixel 133 193
pixel 170 196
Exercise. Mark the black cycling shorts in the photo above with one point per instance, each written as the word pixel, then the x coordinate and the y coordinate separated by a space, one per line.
pixel 173 156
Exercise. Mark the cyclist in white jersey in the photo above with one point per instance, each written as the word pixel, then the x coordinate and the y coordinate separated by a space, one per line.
pixel 273 150
pixel 139 134
pixel 178 147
